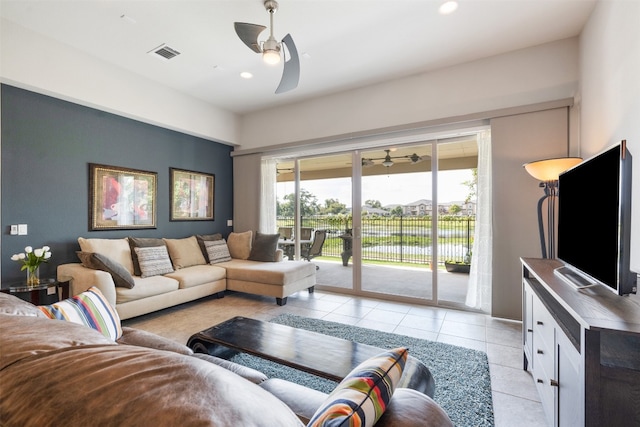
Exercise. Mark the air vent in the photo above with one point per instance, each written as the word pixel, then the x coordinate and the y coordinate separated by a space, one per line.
pixel 164 52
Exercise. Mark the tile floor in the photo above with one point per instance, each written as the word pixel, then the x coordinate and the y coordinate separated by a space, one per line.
pixel 515 399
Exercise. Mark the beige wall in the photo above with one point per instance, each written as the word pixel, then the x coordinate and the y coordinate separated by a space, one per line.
pixel 516 140
pixel 528 76
pixel 609 97
pixel 246 193
pixel 27 62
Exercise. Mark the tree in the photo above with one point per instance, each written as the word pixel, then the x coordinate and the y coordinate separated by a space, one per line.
pixel 333 206
pixel 397 211
pixel 454 209
pixel 472 185
pixel 373 203
pixel 308 204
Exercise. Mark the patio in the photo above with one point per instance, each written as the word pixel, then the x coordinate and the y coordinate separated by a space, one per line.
pixel 400 281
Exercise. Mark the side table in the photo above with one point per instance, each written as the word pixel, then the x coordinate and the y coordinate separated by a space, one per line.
pixel 47 292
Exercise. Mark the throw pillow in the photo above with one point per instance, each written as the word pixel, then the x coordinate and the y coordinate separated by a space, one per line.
pixel 116 249
pixel 154 261
pixel 264 247
pixel 121 276
pixel 362 396
pixel 89 308
pixel 185 252
pixel 140 242
pixel 207 238
pixel 240 244
pixel 217 251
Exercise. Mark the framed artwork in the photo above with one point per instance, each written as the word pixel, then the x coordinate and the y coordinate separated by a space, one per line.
pixel 192 195
pixel 121 198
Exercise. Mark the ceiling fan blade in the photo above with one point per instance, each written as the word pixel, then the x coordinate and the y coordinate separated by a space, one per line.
pixel 249 33
pixel 291 71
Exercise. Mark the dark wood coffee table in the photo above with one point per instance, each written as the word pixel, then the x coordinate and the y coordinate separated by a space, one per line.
pixel 322 355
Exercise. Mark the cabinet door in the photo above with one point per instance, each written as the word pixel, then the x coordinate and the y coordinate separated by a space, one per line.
pixel 570 390
pixel 527 326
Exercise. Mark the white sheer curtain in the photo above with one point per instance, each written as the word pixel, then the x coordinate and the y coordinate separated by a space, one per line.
pixel 480 277
pixel 268 196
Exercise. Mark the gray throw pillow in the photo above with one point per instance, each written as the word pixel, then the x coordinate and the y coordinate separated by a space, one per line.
pixel 121 276
pixel 207 238
pixel 141 242
pixel 154 261
pixel 217 251
pixel 264 247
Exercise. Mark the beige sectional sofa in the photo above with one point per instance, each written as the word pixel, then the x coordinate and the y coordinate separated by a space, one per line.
pixel 180 270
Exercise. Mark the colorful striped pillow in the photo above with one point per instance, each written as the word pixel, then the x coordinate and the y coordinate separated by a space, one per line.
pixel 89 308
pixel 362 396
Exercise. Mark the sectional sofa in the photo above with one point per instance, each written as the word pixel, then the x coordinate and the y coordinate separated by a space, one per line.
pixel 142 275
pixel 80 371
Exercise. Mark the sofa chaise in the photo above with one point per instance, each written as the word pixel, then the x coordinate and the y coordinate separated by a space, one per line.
pixel 143 275
pixel 77 372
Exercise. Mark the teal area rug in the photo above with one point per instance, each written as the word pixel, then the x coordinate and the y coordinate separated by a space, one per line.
pixel 463 384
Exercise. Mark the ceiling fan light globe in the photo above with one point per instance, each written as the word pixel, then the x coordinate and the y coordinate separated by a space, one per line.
pixel 387 163
pixel 271 57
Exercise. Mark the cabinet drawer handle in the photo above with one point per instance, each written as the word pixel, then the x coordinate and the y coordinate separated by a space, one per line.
pixel 540 381
pixel 539 322
pixel 540 351
pixel 529 330
pixel 553 383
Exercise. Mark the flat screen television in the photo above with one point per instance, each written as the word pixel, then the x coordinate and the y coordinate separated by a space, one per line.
pixel 594 221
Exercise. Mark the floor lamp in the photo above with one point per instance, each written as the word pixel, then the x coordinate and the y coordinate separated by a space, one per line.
pixel 547 171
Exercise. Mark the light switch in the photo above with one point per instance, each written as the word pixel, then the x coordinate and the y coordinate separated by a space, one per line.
pixel 229 223
pixel 14 229
pixel 22 229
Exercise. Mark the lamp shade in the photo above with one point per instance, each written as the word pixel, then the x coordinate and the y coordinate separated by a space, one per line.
pixel 550 169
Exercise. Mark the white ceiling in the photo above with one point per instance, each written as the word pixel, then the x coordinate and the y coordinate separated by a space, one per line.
pixel 343 44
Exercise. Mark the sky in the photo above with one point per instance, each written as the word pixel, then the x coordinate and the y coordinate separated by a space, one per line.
pixel 388 189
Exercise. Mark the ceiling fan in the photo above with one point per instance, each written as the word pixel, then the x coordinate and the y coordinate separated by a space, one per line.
pixel 271 48
pixel 388 160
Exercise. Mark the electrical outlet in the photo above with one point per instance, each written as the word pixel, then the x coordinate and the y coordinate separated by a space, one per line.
pixel 22 229
pixel 229 223
pixel 14 229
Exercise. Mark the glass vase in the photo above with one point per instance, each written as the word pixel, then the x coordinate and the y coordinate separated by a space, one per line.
pixel 33 276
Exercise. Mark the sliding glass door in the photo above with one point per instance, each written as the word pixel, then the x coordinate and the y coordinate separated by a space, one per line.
pixel 396 227
pixel 395 218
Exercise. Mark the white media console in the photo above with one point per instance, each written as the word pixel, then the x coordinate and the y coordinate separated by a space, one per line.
pixel 582 347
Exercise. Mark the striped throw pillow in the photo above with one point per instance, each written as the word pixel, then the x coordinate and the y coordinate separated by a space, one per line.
pixel 362 396
pixel 89 308
pixel 217 251
pixel 154 261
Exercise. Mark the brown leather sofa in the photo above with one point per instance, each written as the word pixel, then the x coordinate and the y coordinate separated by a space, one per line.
pixel 54 372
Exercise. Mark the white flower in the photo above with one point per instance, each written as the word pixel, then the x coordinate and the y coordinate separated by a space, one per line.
pixel 46 248
pixel 21 255
pixel 28 249
pixel 15 257
pixel 47 255
pixel 38 252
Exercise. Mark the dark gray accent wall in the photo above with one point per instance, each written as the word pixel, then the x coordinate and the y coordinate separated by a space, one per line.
pixel 47 145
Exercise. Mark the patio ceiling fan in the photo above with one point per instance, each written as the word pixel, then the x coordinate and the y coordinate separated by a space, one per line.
pixel 387 161
pixel 271 49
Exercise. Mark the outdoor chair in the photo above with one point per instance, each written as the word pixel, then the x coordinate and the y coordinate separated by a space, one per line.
pixel 285 232
pixel 316 247
pixel 305 233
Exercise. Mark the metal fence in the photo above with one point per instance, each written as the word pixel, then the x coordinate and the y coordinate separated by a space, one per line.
pixel 396 239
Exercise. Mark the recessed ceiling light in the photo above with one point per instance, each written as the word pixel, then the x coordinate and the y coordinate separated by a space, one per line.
pixel 448 7
pixel 246 75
